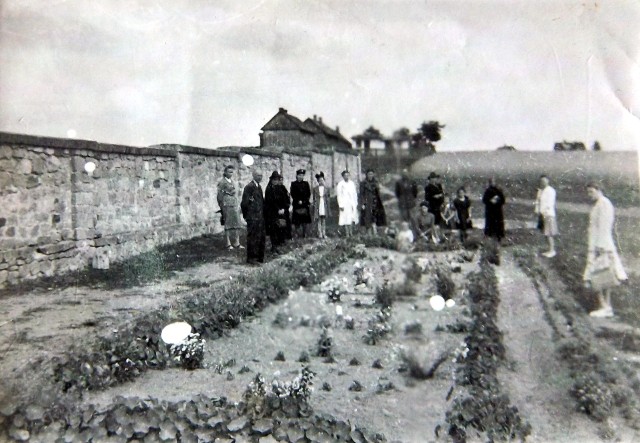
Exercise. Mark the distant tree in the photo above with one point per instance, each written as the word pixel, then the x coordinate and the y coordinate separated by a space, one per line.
pixel 596 146
pixel 371 133
pixel 569 146
pixel 431 131
pixel 506 148
pixel 423 141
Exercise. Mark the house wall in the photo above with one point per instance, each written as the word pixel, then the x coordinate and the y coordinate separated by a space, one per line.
pixel 285 139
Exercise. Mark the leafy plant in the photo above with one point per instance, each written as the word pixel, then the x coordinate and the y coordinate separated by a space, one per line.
pixel 385 295
pixel 325 343
pixel 378 326
pixel 444 283
pixel 190 352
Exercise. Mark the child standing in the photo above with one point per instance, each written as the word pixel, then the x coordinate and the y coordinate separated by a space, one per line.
pixel 462 205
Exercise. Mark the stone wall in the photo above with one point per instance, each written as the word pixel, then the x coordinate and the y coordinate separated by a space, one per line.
pixel 323 163
pixel 55 215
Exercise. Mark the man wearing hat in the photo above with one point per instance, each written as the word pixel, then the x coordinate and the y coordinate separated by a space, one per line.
pixel 434 196
pixel 276 211
pixel 321 207
pixel 301 197
pixel 252 207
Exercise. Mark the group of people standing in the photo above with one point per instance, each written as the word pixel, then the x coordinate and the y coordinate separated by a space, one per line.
pixel 282 214
pixel 276 212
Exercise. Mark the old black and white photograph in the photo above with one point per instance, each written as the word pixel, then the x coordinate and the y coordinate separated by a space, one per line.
pixel 314 221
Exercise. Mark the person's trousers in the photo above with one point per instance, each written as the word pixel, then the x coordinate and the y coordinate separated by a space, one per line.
pixel 256 237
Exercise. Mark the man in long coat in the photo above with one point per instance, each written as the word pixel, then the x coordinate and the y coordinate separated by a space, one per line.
pixel 301 197
pixel 373 213
pixel 276 211
pixel 347 203
pixel 406 193
pixel 493 200
pixel 252 207
pixel 434 196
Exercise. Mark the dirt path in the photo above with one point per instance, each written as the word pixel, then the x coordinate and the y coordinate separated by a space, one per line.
pixel 538 383
pixel 44 323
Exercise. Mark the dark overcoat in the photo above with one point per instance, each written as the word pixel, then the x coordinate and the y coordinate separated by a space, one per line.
pixel 373 211
pixel 276 198
pixel 252 207
pixel 493 214
pixel 301 198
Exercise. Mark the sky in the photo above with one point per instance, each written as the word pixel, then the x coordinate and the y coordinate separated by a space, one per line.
pixel 212 73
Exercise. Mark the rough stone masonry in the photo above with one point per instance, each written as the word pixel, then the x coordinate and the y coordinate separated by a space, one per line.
pixel 57 214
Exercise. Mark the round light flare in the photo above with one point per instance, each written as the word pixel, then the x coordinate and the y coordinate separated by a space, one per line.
pixel 175 333
pixel 247 160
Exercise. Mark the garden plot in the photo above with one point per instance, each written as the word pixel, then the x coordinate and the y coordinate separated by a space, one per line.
pixel 371 384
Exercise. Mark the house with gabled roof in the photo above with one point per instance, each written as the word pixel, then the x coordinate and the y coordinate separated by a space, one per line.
pixel 326 136
pixel 286 131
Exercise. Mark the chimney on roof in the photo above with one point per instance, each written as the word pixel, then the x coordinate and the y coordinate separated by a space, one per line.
pixel 320 120
pixel 315 117
pixel 284 111
pixel 338 129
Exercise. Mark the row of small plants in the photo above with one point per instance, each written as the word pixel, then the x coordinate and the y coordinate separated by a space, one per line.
pixel 279 409
pixel 598 387
pixel 479 403
pixel 136 347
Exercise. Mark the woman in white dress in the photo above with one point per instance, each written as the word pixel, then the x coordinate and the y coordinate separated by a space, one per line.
pixel 321 209
pixel 604 268
pixel 348 203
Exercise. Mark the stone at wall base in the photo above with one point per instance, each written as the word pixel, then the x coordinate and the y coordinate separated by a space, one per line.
pixel 101 259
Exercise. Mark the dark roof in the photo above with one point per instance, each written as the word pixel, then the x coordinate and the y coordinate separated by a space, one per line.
pixel 283 121
pixel 321 127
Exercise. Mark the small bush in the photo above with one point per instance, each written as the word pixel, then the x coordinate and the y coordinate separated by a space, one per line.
pixel 385 295
pixel 189 353
pixel 594 397
pixel 412 271
pixel 378 326
pixel 325 343
pixel 444 283
pixel 413 328
pixel 490 252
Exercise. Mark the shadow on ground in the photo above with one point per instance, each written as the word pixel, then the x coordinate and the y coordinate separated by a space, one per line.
pixel 158 264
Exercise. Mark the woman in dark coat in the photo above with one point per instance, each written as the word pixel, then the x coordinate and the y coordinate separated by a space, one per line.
pixel 493 200
pixel 276 208
pixel 301 197
pixel 372 212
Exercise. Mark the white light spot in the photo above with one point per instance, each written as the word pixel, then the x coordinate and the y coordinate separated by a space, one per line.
pixel 71 133
pixel 247 160
pixel 437 302
pixel 89 167
pixel 450 303
pixel 175 333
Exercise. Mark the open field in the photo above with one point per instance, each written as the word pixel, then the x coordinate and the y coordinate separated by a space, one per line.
pixel 518 173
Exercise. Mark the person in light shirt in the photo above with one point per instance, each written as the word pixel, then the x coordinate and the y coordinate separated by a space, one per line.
pixel 602 252
pixel 321 208
pixel 546 207
pixel 348 203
